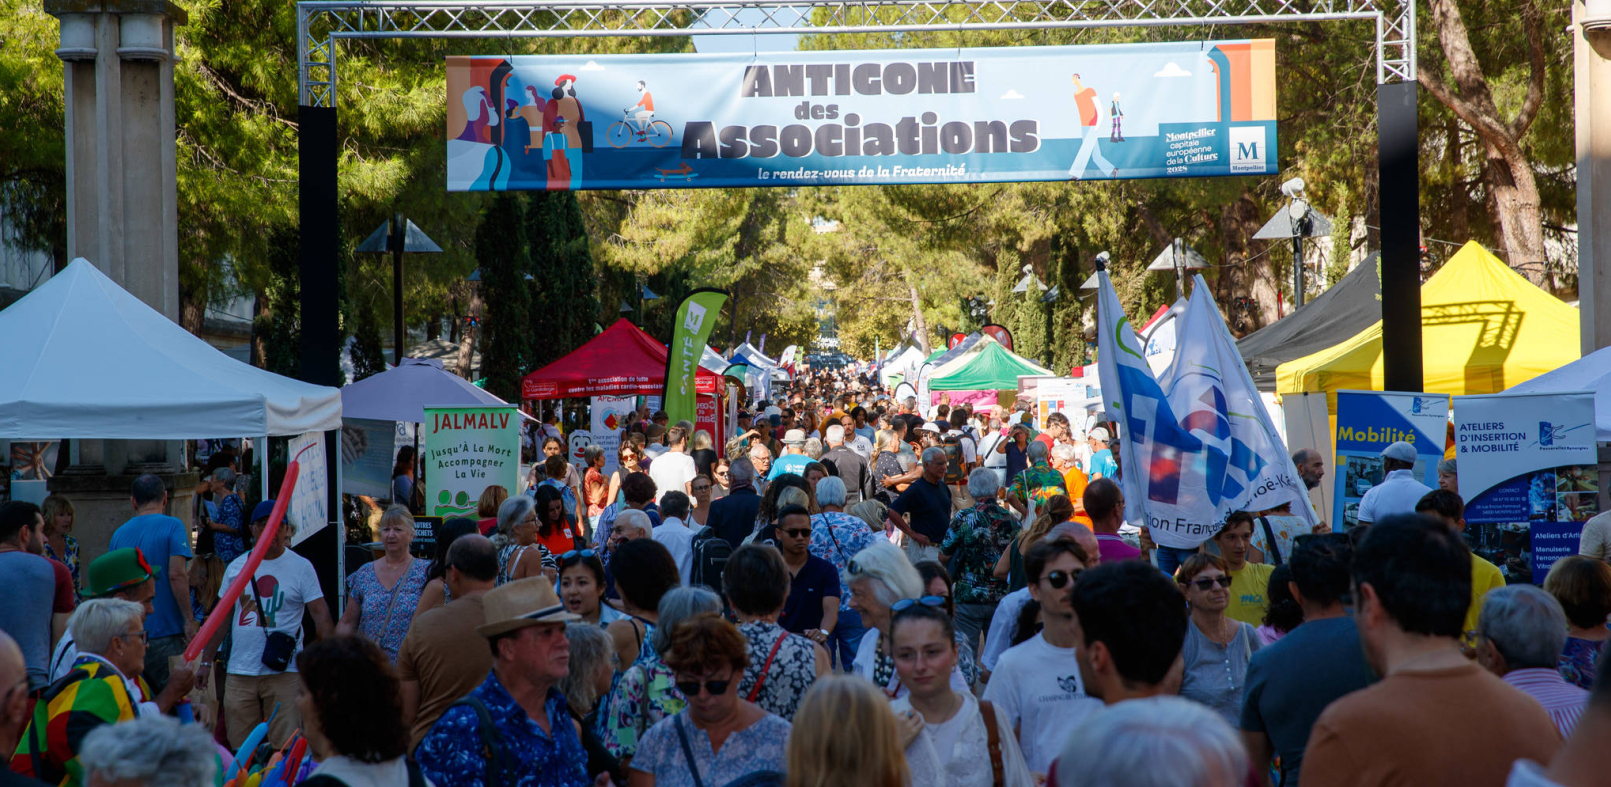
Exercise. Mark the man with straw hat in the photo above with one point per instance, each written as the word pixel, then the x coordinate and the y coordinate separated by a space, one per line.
pixel 513 729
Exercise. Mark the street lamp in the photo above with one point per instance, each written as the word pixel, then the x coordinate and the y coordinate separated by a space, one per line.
pixel 1297 221
pixel 1178 257
pixel 399 236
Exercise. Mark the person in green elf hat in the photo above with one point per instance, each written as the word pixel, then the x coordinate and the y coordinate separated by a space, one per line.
pixel 124 574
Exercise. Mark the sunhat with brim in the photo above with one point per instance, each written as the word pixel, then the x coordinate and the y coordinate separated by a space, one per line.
pixel 117 570
pixel 522 603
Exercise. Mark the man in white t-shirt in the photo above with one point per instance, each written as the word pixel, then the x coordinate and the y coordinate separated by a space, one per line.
pixel 673 470
pixel 674 535
pixel 283 586
pixel 1037 684
pixel 1399 491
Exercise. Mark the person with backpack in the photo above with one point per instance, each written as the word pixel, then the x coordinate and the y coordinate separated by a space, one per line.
pixel 952 739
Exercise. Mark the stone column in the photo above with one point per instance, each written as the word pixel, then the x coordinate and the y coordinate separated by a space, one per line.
pixel 1592 71
pixel 122 216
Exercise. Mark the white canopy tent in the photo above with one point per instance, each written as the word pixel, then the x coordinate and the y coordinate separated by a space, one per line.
pixel 1592 372
pixel 89 360
pixel 905 363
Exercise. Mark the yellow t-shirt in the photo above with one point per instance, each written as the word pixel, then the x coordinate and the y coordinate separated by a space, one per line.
pixel 1248 588
pixel 1485 576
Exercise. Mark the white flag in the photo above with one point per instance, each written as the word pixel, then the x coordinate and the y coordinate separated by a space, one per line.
pixel 1199 445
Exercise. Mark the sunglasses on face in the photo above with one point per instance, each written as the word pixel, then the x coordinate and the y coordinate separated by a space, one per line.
pixel 927 601
pixel 715 688
pixel 1206 583
pixel 1061 579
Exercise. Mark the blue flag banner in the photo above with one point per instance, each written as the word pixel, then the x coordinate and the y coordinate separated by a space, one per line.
pixel 1112 111
pixel 1197 444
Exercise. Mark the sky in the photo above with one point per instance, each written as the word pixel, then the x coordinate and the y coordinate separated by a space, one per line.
pixel 748 17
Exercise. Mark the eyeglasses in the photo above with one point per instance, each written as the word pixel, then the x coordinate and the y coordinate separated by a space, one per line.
pixel 927 601
pixel 797 532
pixel 1205 584
pixel 578 554
pixel 144 637
pixel 690 688
pixel 1060 579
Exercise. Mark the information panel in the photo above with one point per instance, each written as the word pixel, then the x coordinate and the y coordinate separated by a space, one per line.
pixel 1119 111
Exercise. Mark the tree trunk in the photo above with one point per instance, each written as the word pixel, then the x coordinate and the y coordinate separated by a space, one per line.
pixel 920 326
pixel 467 336
pixel 260 323
pixel 1518 209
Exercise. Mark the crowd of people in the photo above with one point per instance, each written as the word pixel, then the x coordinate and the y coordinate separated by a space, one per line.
pixel 853 590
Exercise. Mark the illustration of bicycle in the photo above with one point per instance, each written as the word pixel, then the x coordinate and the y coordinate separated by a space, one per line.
pixel 622 132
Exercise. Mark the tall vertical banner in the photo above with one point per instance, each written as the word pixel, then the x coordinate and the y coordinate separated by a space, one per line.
pixel 1528 477
pixel 1367 422
pixel 1000 333
pixel 609 415
pixel 696 317
pixel 1197 445
pixel 310 498
pixel 820 118
pixel 466 450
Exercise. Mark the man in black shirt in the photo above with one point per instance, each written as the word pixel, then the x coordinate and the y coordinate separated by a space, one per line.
pixel 923 512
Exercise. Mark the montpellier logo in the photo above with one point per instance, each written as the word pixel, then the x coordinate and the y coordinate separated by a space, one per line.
pixel 695 318
pixel 1248 149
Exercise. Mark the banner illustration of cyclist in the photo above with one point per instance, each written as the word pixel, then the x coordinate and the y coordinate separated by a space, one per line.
pixel 861 117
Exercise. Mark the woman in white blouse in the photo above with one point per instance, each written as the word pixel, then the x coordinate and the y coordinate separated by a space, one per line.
pixel 947 733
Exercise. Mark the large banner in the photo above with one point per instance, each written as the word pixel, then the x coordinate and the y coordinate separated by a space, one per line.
pixel 609 415
pixel 1196 444
pixel 468 449
pixel 1367 422
pixel 789 119
pixel 1528 476
pixel 696 317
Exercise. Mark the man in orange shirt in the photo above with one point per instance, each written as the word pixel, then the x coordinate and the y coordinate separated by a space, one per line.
pixel 1085 100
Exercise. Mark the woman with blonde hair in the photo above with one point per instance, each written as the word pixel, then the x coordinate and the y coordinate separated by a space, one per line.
pixel 60 546
pixel 383 595
pixel 845 733
pixel 486 509
pixel 886 463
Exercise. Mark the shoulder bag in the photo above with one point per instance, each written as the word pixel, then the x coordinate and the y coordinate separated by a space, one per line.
pixel 755 691
pixel 1269 539
pixel 993 743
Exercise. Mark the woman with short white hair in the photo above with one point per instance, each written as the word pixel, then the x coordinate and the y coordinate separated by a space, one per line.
pixel 150 751
pixel 1152 742
pixel 382 594
pixel 880 579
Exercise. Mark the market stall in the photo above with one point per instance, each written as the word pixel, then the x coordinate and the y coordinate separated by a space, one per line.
pixel 979 374
pixel 1344 309
pixel 1484 328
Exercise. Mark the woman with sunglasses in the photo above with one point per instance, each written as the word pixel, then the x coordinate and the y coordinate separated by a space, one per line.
pixel 703 488
pixel 880 577
pixel 937 582
pixel 520 556
pixel 581 586
pixel 1036 686
pixel 1217 647
pixel 646 691
pixel 731 740
pixel 629 460
pixel 781 665
pixel 951 745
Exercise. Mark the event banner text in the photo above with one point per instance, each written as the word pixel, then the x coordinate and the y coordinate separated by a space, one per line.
pixel 861 117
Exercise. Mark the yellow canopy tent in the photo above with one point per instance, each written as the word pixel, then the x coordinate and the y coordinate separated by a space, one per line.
pixel 1484 328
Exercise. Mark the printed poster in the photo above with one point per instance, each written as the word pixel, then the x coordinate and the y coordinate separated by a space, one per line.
pixel 1528 475
pixel 817 118
pixel 466 450
pixel 367 455
pixel 1369 421
pixel 609 416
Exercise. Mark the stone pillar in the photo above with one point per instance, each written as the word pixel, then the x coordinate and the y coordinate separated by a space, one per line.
pixel 1592 72
pixel 122 216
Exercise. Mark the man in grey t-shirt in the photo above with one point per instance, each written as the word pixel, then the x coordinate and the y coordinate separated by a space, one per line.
pixel 30 587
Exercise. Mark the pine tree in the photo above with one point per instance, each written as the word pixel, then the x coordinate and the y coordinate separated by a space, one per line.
pixel 368 356
pixel 1068 334
pixel 279 324
pixel 564 305
pixel 506 338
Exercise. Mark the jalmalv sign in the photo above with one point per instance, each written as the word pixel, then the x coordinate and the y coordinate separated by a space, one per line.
pixel 788 119
pixel 468 449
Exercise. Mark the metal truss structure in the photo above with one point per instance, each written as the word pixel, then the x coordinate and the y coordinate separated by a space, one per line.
pixel 321 23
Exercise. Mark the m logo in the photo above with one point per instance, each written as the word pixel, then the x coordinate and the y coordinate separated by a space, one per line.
pixel 694 318
pixel 1249 151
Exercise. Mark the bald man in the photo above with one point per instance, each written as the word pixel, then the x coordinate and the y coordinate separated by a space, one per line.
pixel 13 706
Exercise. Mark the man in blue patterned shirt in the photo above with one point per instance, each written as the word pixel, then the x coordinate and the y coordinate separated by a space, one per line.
pixel 971 548
pixel 513 730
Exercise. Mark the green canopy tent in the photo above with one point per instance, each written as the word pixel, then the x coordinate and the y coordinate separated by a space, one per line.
pixel 987 366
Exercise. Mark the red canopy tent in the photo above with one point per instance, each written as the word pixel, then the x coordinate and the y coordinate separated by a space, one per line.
pixel 621 361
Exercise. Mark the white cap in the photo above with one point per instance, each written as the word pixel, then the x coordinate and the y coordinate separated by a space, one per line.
pixel 928 426
pixel 1100 434
pixel 1400 450
pixel 794 437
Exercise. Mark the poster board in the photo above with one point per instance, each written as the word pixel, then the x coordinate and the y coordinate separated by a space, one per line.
pixel 310 500
pixel 607 423
pixel 368 448
pixel 1369 421
pixel 1528 476
pixel 467 449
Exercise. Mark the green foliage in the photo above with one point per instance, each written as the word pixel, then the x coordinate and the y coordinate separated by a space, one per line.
pixel 368 356
pixel 279 325
pixel 563 306
pixel 506 336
